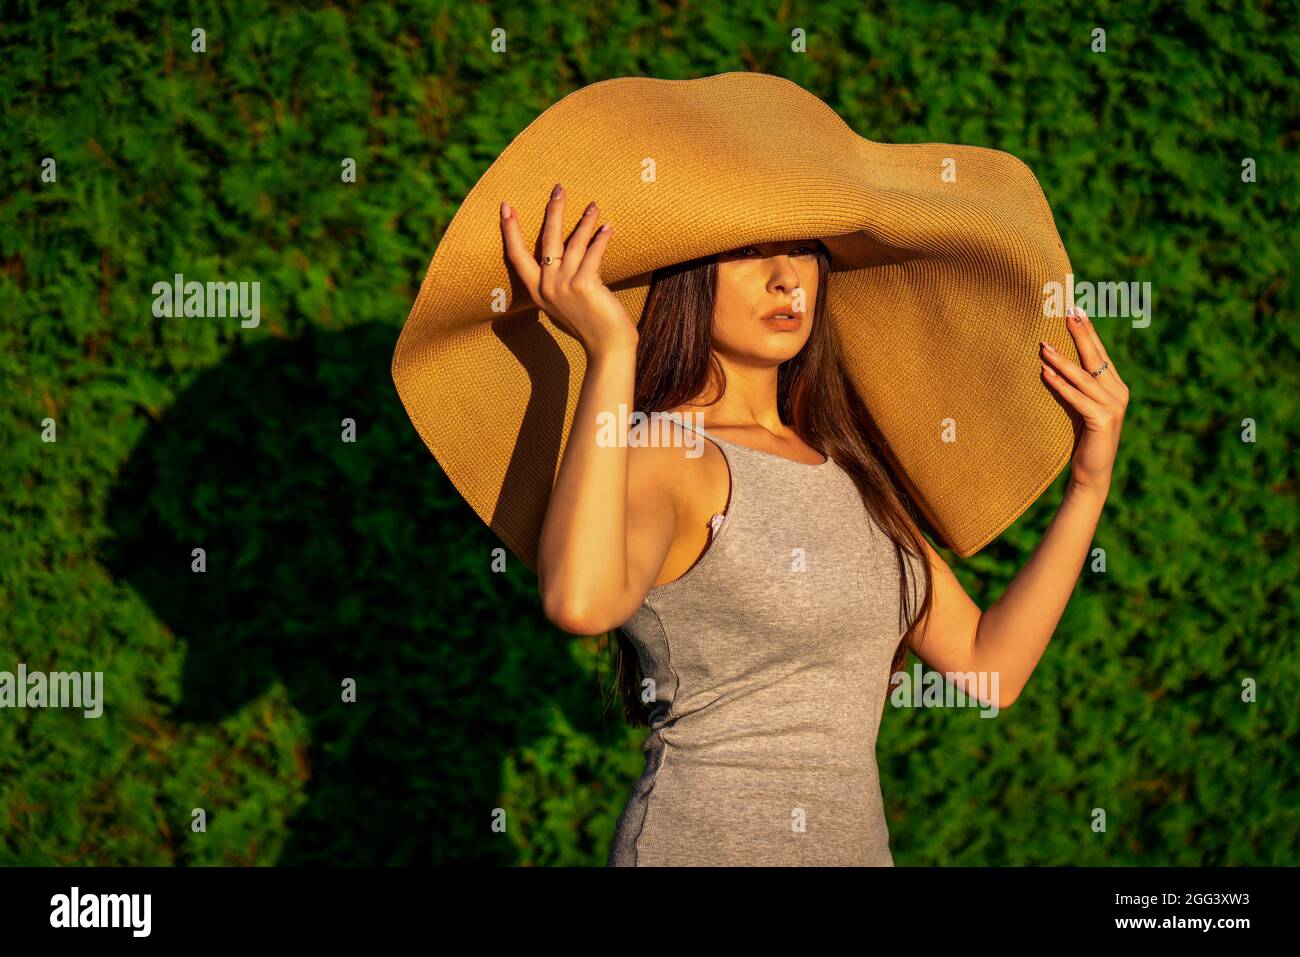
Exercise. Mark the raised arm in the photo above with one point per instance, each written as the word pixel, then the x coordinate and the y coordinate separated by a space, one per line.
pixel 1009 638
pixel 587 581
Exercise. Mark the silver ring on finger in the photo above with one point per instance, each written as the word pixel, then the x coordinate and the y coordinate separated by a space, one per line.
pixel 1104 367
pixel 550 260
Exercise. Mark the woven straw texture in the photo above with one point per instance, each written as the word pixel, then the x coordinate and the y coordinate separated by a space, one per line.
pixel 936 292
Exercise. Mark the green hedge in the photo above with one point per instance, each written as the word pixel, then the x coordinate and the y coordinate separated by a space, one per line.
pixel 329 560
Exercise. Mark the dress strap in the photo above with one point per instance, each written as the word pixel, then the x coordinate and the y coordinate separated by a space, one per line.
pixel 716 521
pixel 685 423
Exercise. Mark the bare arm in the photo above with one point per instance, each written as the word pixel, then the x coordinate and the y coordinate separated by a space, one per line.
pixel 586 580
pixel 590 579
pixel 1016 628
pixel 1008 639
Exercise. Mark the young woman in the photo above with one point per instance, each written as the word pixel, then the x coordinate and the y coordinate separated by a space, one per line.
pixel 768 570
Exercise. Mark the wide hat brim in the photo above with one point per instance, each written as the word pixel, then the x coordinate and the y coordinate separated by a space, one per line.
pixel 941 258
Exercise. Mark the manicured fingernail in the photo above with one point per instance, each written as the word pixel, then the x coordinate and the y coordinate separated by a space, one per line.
pixel 1048 369
pixel 505 210
pixel 1047 346
pixel 591 208
pixel 555 193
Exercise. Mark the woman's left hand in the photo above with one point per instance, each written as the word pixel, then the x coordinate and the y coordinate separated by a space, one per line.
pixel 1101 400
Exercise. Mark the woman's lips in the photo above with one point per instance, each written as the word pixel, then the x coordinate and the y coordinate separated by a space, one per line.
pixel 783 324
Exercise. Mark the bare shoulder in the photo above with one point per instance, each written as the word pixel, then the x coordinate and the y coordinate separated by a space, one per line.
pixel 679 473
pixel 654 478
pixel 673 492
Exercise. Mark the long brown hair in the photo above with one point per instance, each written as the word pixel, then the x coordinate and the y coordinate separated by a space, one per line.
pixel 675 364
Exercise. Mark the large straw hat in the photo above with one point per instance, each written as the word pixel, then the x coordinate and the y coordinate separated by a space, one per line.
pixel 941 257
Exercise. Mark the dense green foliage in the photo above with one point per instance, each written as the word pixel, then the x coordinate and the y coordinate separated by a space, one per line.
pixel 329 560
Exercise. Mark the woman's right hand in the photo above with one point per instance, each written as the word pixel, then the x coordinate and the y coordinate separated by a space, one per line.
pixel 571 290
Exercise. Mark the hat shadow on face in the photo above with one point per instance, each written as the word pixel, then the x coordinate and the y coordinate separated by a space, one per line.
pixel 328 560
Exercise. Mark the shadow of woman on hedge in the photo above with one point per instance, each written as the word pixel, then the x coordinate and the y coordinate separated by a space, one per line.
pixel 329 560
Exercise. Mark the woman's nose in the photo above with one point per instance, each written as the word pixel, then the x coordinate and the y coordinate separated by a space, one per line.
pixel 784 276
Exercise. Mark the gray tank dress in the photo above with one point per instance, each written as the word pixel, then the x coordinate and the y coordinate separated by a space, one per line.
pixel 769 658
